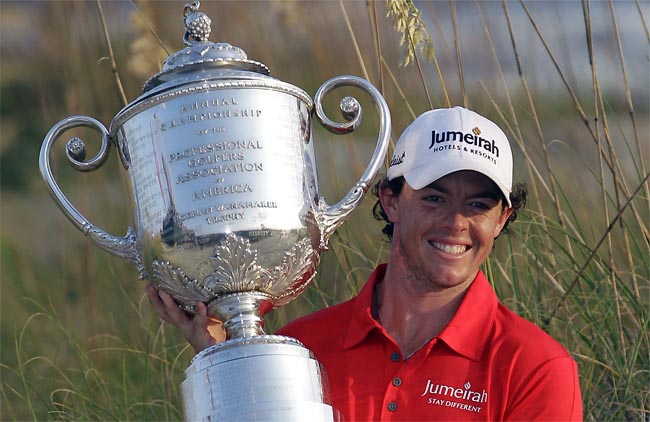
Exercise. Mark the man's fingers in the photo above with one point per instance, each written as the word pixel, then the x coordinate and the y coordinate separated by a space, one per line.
pixel 201 330
pixel 201 308
pixel 200 316
pixel 157 303
pixel 177 315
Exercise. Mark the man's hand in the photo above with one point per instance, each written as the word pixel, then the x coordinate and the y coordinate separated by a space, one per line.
pixel 201 331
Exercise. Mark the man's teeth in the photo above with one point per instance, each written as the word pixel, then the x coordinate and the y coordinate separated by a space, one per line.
pixel 451 249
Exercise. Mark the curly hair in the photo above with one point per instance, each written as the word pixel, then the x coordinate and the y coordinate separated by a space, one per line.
pixel 517 198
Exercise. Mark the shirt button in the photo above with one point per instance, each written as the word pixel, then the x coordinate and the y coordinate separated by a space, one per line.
pixel 397 381
pixel 392 406
pixel 395 357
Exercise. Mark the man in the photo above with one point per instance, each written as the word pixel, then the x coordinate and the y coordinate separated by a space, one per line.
pixel 426 338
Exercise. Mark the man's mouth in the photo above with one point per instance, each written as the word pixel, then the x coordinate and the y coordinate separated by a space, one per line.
pixel 450 249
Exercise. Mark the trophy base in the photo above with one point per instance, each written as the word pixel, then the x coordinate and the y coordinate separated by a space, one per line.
pixel 270 378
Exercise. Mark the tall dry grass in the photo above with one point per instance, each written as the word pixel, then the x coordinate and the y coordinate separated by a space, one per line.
pixel 78 339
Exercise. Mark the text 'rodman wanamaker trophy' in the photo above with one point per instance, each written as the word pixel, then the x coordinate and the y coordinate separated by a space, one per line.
pixel 220 161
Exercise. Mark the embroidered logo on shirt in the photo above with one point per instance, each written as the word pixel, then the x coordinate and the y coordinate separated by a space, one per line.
pixel 463 398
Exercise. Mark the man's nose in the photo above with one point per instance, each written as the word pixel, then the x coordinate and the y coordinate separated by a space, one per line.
pixel 455 219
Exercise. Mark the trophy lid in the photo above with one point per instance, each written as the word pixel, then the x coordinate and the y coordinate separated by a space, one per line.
pixel 202 55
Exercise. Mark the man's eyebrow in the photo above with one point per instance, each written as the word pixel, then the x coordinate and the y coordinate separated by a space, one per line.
pixel 434 185
pixel 489 194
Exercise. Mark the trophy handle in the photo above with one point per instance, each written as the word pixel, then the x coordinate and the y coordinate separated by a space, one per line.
pixel 330 217
pixel 124 247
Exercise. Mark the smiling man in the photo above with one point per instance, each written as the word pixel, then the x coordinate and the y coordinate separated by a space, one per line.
pixel 426 338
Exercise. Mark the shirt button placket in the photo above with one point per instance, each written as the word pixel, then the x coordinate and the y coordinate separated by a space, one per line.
pixel 391 406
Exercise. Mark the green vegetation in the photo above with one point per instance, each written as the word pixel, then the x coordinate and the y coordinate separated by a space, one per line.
pixel 78 338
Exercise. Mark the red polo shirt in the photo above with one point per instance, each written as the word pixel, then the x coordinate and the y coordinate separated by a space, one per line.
pixel 487 364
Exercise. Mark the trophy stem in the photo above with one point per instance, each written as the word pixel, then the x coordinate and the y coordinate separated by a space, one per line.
pixel 242 313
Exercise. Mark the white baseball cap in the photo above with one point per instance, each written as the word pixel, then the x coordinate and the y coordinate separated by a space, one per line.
pixel 446 140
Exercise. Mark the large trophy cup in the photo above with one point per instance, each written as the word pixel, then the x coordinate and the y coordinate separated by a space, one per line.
pixel 220 161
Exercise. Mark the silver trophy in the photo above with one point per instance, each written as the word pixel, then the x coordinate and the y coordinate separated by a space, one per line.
pixel 221 165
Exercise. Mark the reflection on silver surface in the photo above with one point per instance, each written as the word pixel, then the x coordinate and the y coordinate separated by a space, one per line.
pixel 222 172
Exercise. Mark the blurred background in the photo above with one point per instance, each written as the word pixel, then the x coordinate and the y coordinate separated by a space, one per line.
pixel 569 83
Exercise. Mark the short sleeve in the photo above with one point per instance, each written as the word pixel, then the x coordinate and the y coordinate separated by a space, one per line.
pixel 549 393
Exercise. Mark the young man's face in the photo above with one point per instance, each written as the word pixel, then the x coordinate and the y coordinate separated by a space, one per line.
pixel 445 231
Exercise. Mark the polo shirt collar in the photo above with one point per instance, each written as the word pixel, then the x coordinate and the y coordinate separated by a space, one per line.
pixel 466 333
pixel 362 322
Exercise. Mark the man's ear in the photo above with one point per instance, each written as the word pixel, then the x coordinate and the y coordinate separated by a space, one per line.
pixel 389 201
pixel 503 218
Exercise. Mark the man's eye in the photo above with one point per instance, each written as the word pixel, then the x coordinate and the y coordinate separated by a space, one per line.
pixel 432 198
pixel 481 205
